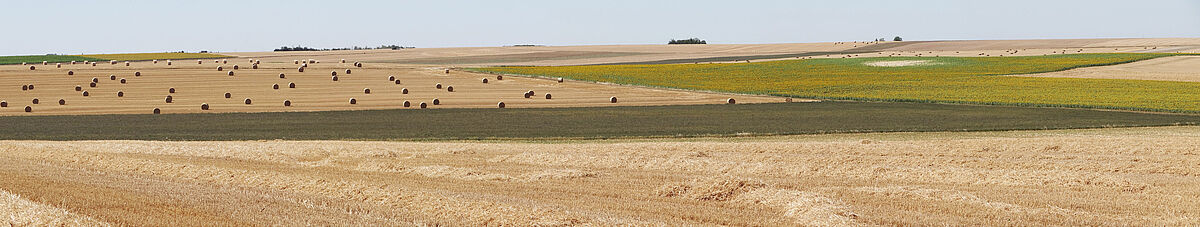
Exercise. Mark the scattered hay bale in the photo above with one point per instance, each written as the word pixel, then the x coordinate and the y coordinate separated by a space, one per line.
pixel 335 78
pixel 391 78
pixel 235 67
pixel 157 111
pixel 78 88
pixel 31 87
pixel 450 88
pixel 334 73
pixel 485 80
pixel 168 62
pixel 366 91
pixel 437 102
pixel 126 63
pixel 527 94
pixel 501 105
pixel 281 76
pixel 95 80
pixel 137 73
pixel 407 104
pixel 397 81
pixel 343 61
pixel 112 77
pixel 93 84
pixel 612 99
pixel 120 94
pixel 353 101
pixel 62 102
pixel 86 94
pixel 94 64
pixel 28 109
pixel 228 95
pixel 36 101
pixel 287 102
pixel 301 69
pixel 32 67
pixel 730 101
pixel 297 62
pixel 787 100
pixel 170 99
pixel 248 101
pixel 404 91
pixel 203 106
pixel 275 86
pixel 199 62
pixel 4 103
pixel 347 72
pixel 438 86
pixel 70 73
pixel 499 77
pixel 423 105
pixel 155 61
pixel 230 73
pixel 548 96
pixel 447 71
pixel 122 80
pixel 219 68
pixel 58 65
pixel 291 85
pixel 255 66
pixel 171 90
pixel 25 87
pixel 560 79
pixel 44 62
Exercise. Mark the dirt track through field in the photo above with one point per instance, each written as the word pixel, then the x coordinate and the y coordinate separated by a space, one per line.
pixel 1139 176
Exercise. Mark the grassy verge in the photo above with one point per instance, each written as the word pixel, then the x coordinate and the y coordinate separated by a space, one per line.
pixel 973 80
pixel 580 123
pixel 37 59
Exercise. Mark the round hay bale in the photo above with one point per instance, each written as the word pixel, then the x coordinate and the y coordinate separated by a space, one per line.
pixel 171 90
pixel 86 94
pixel 228 95
pixel 122 80
pixel 527 95
pixel 4 103
pixel 170 99
pixel 203 106
pixel 353 101
pixel 168 62
pixel 126 63
pixel 28 109
pixel 291 85
pixel 335 78
pixel 334 73
pixel 397 81
pixel 230 73
pixel 155 61
pixel 501 105
pixel 157 111
pixel 32 67
pixel 281 76
pixel 112 77
pixel 93 84
pixel 62 102
pixel 447 71
pixel 287 102
pixel 499 77
pixel 485 80
pixel 366 91
pixel 44 62
pixel 94 64
pixel 219 68
pixel 248 101
pixel 120 94
pixel 730 101
pixel 423 105
pixel 199 62
pixel 95 80
pixel 407 104
pixel 343 61
pixel 255 66
pixel 36 101
pixel 437 102
pixel 304 65
pixel 235 67
pixel 548 96
pixel 275 86
pixel 30 87
pixel 450 88
pixel 25 87
pixel 612 99
pixel 391 78
pixel 438 86
pixel 72 62
pixel 560 79
pixel 78 88
pixel 70 73
pixel 301 69
pixel 137 73
pixel 787 100
pixel 404 91
pixel 347 72
pixel 297 62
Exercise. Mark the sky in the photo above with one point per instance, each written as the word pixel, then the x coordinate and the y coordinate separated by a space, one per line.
pixel 115 26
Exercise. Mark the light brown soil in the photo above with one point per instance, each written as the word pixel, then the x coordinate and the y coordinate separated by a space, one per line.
pixel 1140 176
pixel 1180 68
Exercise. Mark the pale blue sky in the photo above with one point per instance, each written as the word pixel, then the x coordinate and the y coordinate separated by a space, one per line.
pixel 114 26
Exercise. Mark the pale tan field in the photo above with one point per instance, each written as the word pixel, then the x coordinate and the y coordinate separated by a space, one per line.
pixel 1139 176
pixel 1181 68
pixel 315 90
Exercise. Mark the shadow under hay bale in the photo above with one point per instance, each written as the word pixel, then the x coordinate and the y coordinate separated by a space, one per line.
pixel 70 73
pixel 230 73
pixel 391 78
pixel 85 93
pixel 137 73
pixel 4 103
pixel 28 109
pixel 397 81
pixel 93 84
pixel 78 88
pixel 112 77
pixel 438 86
pixel 335 78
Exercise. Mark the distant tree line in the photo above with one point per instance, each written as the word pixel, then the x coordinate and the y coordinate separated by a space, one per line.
pixel 302 48
pixel 688 41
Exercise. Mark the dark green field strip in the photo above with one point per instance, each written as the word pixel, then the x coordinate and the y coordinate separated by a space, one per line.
pixel 593 123
pixel 32 59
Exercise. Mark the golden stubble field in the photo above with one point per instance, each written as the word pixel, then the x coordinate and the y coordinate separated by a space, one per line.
pixel 315 90
pixel 1136 176
pixel 1180 68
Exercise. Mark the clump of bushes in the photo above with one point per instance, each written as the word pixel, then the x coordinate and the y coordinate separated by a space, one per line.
pixel 688 41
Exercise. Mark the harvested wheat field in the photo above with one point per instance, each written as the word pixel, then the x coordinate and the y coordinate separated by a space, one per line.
pixel 1134 176
pixel 1180 68
pixel 145 86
